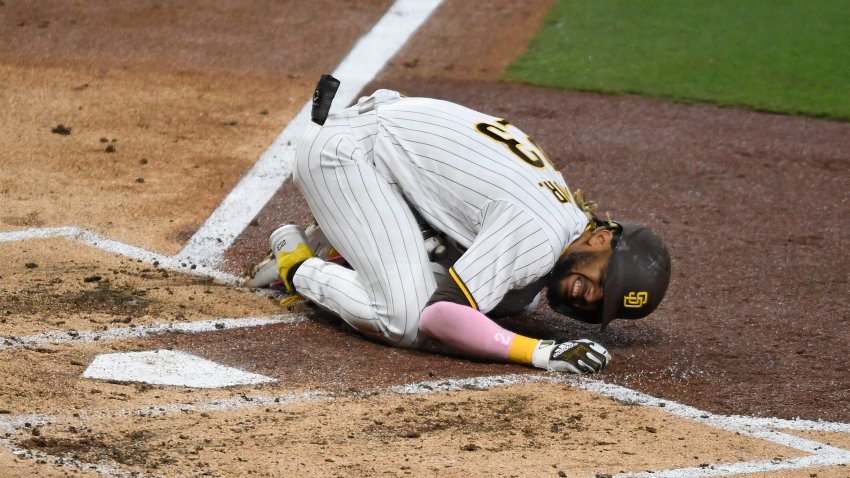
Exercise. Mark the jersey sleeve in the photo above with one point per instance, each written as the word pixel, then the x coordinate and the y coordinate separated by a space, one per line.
pixel 509 252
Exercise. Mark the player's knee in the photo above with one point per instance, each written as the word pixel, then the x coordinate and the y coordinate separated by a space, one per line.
pixel 303 156
pixel 411 339
pixel 402 329
pixel 300 165
pixel 390 329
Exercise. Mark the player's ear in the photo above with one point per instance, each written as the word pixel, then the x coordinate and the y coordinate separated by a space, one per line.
pixel 601 239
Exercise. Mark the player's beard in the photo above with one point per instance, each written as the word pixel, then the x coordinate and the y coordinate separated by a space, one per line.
pixel 556 294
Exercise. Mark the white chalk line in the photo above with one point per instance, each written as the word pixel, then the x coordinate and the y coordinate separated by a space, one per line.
pixel 261 182
pixel 768 429
pixel 819 454
pixel 140 331
pixel 119 248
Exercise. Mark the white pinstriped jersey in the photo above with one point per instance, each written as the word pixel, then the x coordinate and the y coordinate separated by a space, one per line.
pixel 482 182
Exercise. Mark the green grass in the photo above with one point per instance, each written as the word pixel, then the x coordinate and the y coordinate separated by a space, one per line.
pixel 787 56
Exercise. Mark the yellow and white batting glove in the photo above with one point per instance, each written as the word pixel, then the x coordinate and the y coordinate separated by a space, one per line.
pixel 288 262
pixel 578 356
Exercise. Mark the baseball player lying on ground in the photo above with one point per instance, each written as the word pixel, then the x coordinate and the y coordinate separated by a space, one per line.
pixel 377 174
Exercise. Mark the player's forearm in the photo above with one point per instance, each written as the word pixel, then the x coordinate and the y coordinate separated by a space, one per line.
pixel 469 331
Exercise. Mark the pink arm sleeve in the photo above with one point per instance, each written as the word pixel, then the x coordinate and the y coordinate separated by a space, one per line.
pixel 466 330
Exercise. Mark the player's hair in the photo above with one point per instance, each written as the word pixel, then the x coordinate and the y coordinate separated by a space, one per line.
pixel 589 208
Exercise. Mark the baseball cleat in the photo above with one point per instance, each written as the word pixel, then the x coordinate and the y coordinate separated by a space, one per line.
pixel 263 274
pixel 283 239
pixel 289 245
pixel 287 237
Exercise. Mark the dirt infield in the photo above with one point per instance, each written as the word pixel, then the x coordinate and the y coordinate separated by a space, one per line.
pixel 168 105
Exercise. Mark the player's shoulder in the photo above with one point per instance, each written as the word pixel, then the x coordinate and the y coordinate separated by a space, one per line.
pixel 522 218
pixel 558 226
pixel 403 103
pixel 381 96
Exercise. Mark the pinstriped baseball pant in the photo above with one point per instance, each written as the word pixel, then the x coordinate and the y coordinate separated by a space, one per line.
pixel 366 218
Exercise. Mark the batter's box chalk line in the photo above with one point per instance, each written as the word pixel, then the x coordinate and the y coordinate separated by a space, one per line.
pixel 141 331
pixel 818 454
pixel 112 246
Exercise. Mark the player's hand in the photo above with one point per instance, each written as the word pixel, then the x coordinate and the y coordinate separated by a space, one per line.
pixel 577 356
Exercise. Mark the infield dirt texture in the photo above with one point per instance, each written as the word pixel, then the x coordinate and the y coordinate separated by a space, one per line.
pixel 163 108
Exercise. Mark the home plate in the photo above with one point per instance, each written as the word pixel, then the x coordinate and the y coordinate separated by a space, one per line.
pixel 167 367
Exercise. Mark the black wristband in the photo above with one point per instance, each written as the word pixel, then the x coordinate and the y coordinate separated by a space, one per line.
pixel 291 274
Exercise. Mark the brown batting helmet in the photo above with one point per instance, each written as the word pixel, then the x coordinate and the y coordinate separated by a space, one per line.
pixel 635 281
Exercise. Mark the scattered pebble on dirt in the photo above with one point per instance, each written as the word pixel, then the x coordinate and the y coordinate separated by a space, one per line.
pixel 61 129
